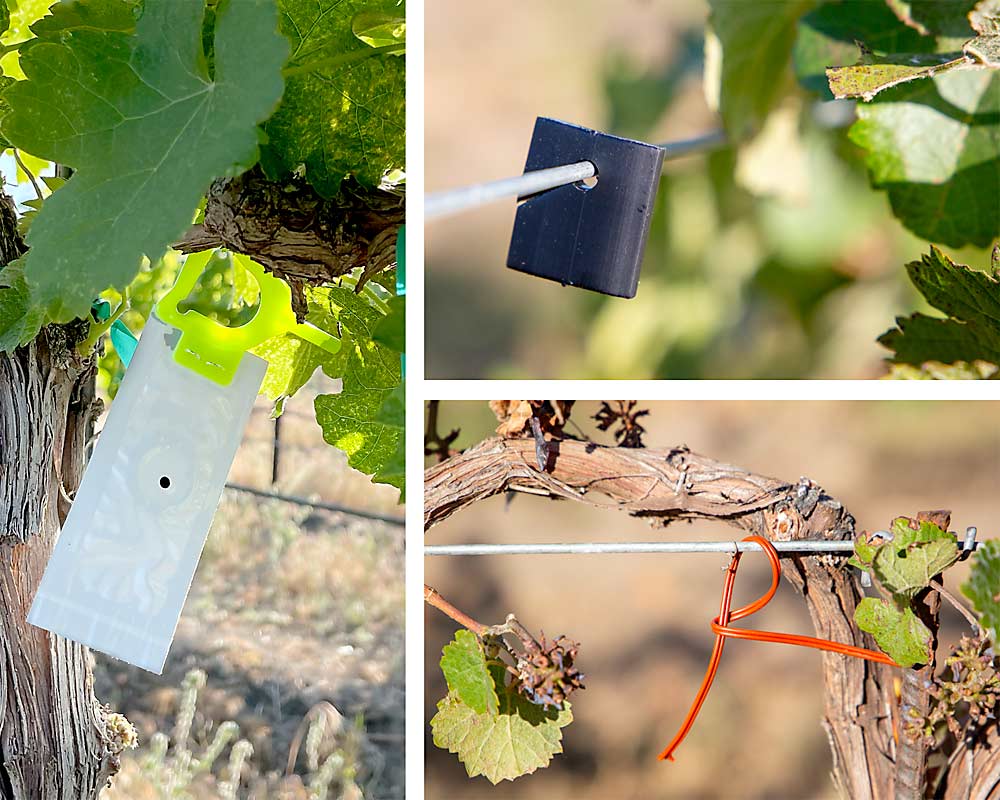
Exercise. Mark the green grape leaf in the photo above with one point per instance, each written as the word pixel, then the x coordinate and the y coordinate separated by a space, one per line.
pixel 932 145
pixel 391 330
pixel 865 547
pixel 24 14
pixel 393 415
pixel 370 373
pixel 291 362
pixel 343 112
pixel 970 298
pixel 905 570
pixel 380 28
pixel 463 663
pixel 516 741
pixel 941 17
pixel 906 531
pixel 146 130
pixel 76 15
pixel 983 585
pixel 20 319
pixel 756 41
pixel 829 35
pixel 899 633
pixel 5 81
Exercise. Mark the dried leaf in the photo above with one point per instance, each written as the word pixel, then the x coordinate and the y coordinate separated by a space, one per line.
pixel 513 416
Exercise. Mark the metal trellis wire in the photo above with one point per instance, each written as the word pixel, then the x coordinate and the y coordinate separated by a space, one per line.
pixel 443 204
pixel 799 547
pixel 324 506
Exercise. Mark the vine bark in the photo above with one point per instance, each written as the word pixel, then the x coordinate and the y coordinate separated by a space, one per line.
pixel 53 742
pixel 863 719
pixel 300 236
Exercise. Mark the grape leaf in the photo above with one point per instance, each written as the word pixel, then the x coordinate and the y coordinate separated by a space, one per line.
pixel 945 17
pixel 463 663
pixel 291 362
pixel 75 15
pixel 907 531
pixel 865 547
pixel 830 34
pixel 970 298
pixel 393 415
pixel 937 371
pixel 20 321
pixel 875 74
pixel 985 17
pixel 379 27
pixel 370 374
pixel 932 145
pixel 756 40
pixel 391 330
pixel 18 29
pixel 343 112
pixel 899 633
pixel 516 741
pixel 906 569
pixel 146 130
pixel 983 585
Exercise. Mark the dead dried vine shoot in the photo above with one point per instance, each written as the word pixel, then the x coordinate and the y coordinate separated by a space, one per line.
pixel 544 671
pixel 434 443
pixel 629 432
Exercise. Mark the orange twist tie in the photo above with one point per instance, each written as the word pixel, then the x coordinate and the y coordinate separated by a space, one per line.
pixel 723 630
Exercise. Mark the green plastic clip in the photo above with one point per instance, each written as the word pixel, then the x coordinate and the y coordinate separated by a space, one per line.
pixel 214 350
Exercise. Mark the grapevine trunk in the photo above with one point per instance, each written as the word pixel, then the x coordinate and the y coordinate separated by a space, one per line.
pixel 52 741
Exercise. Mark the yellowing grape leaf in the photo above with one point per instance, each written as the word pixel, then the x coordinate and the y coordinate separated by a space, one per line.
pixel 906 569
pixel 516 741
pixel 899 633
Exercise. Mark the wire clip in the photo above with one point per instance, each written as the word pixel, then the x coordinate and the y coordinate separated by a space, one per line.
pixel 593 237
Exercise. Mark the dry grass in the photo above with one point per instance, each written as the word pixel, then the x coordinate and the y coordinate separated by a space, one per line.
pixel 293 611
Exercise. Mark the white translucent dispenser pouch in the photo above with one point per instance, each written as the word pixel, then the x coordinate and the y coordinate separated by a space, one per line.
pixel 127 553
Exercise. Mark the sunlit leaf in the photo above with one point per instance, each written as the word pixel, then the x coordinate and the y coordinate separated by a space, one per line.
pixel 899 633
pixel 343 112
pixel 146 130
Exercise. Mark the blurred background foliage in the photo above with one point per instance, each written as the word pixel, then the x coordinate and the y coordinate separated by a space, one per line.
pixel 774 260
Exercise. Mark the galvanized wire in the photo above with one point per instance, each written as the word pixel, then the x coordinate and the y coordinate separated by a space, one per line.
pixel 785 549
pixel 454 201
pixel 320 504
pixel 802 547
